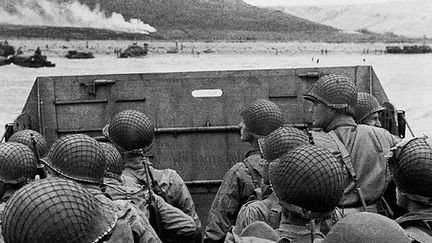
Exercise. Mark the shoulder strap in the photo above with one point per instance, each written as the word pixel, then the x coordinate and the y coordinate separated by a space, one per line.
pixel 419 235
pixel 256 177
pixel 346 159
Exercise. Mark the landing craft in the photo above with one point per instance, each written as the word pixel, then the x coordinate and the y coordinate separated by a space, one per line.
pixel 195 114
pixel 74 54
pixel 135 51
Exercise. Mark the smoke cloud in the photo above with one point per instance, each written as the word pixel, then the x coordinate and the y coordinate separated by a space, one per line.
pixel 66 14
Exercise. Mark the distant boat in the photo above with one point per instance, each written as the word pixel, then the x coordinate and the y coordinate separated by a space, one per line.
pixel 35 61
pixel 135 51
pixel 73 54
pixel 413 49
pixel 209 50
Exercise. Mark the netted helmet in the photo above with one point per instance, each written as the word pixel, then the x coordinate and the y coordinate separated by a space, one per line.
pixel 262 117
pixel 114 161
pixel 366 227
pixel 24 137
pixel 130 130
pixel 309 177
pixel 366 106
pixel 335 91
pixel 281 141
pixel 412 170
pixel 56 210
pixel 78 157
pixel 17 163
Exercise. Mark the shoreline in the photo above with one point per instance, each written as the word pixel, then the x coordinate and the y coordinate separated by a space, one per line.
pixel 59 48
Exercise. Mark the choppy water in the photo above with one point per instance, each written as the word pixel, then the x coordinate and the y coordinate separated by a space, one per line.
pixel 407 79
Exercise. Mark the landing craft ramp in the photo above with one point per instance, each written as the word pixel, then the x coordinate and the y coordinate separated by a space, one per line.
pixel 196 114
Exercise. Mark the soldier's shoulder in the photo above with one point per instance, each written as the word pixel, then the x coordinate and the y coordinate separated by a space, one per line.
pixel 378 132
pixel 239 166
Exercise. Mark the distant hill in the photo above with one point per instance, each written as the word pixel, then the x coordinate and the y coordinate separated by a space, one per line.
pixel 409 18
pixel 204 20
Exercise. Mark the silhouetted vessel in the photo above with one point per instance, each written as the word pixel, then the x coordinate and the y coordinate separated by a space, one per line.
pixel 74 54
pixel 413 49
pixel 36 61
pixel 135 51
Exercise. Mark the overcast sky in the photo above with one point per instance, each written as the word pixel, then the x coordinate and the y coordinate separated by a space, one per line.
pixel 308 2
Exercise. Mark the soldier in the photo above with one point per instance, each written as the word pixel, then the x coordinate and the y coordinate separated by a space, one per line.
pixel 366 227
pixel 364 149
pixel 132 133
pixel 170 223
pixel 80 158
pixel 25 137
pixel 268 210
pixel 243 181
pixel 17 168
pixel 367 110
pixel 309 182
pixel 57 210
pixel 412 170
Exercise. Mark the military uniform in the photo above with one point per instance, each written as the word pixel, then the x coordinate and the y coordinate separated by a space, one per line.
pixel 369 149
pixel 6 195
pixel 308 180
pixel 137 219
pixel 364 150
pixel 243 181
pixel 274 145
pixel 174 188
pixel 80 158
pixel 237 188
pixel 133 132
pixel 175 224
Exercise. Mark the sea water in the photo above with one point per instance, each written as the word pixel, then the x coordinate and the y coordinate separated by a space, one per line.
pixel 406 79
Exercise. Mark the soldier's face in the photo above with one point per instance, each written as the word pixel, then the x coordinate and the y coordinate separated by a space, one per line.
pixel 321 114
pixel 245 134
pixel 372 120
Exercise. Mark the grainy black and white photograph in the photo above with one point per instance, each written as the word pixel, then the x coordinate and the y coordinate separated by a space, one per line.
pixel 211 121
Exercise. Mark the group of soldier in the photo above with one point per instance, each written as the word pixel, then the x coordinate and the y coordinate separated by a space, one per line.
pixel 320 185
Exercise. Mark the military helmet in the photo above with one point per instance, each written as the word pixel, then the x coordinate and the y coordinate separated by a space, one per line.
pixel 24 137
pixel 366 227
pixel 56 210
pixel 281 141
pixel 78 157
pixel 130 130
pixel 262 117
pixel 412 169
pixel 309 177
pixel 17 163
pixel 335 91
pixel 366 106
pixel 114 161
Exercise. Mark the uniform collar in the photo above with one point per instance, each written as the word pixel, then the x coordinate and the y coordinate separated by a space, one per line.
pixel 340 120
pixel 252 152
